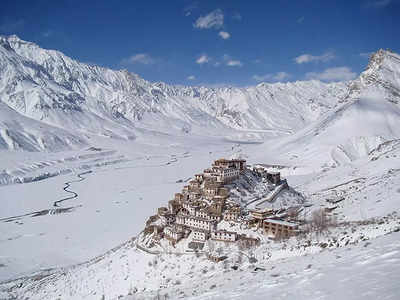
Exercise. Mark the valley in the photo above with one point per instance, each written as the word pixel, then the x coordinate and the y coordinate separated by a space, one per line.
pixel 88 154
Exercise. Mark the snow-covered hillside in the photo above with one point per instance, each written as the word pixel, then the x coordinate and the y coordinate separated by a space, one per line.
pixel 50 87
pixel 20 132
pixel 368 117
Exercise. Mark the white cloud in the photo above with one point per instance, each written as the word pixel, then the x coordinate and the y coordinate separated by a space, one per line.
pixel 225 35
pixel 141 58
pixel 234 63
pixel 203 59
pixel 280 76
pixel 300 20
pixel 230 62
pixel 191 77
pixel 378 3
pixel 214 19
pixel 306 58
pixel 332 74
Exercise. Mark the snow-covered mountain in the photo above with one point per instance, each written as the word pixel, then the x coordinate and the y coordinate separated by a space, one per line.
pixel 20 132
pixel 367 117
pixel 86 100
pixel 52 88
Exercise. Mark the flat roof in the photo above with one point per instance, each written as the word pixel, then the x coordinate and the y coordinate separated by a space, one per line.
pixel 223 231
pixel 261 211
pixel 281 222
pixel 196 218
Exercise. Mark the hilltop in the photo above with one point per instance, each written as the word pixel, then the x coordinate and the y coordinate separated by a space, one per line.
pixel 228 202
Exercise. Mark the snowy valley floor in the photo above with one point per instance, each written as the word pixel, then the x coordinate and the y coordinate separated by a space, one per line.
pixel 122 185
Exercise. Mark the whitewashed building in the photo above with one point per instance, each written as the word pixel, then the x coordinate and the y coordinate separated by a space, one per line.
pixel 173 233
pixel 231 214
pixel 200 235
pixel 202 213
pixel 227 175
pixel 190 207
pixel 223 235
pixel 199 177
pixel 195 222
pixel 167 219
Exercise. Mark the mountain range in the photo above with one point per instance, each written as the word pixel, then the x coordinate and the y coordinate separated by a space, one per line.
pixel 50 102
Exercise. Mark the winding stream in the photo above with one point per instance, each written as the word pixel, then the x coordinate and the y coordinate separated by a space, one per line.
pixel 68 185
pixel 56 204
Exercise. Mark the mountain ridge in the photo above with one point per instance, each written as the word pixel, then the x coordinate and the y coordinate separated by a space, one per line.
pixel 43 83
pixel 50 87
pixel 368 117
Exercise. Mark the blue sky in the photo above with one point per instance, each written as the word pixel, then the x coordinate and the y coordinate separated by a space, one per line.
pixel 231 42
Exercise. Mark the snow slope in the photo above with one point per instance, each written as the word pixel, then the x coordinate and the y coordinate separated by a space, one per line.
pixel 18 132
pixel 368 117
pixel 48 86
pixel 126 272
pixel 366 271
pixel 348 133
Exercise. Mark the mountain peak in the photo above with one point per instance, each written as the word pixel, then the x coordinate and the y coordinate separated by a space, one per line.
pixel 49 86
pixel 14 39
pixel 383 71
pixel 7 37
pixel 379 57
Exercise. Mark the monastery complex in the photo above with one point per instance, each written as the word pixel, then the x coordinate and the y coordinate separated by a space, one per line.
pixel 198 210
